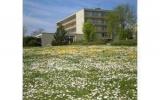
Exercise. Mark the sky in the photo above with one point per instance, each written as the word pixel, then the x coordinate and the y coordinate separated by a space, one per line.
pixel 45 13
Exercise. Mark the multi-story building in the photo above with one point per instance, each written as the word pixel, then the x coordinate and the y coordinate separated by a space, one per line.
pixel 74 24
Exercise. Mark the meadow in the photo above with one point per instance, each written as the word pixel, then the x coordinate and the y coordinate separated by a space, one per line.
pixel 77 72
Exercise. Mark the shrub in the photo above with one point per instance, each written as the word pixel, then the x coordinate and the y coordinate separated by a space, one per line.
pixel 100 42
pixel 30 41
pixel 56 43
pixel 124 42
pixel 80 42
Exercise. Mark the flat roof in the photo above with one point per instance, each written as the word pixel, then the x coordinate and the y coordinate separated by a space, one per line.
pixel 66 17
pixel 96 9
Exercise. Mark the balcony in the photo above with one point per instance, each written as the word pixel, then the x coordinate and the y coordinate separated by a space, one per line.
pixel 95 17
pixel 69 22
pixel 71 27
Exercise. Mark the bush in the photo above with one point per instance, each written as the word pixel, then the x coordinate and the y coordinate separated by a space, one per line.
pixel 124 42
pixel 100 42
pixel 55 43
pixel 80 42
pixel 30 41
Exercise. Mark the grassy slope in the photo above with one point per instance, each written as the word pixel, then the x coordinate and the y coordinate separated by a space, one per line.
pixel 86 72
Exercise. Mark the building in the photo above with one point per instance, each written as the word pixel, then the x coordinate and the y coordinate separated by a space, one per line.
pixel 46 38
pixel 73 24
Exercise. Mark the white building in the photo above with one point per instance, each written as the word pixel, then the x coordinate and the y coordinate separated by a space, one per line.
pixel 73 24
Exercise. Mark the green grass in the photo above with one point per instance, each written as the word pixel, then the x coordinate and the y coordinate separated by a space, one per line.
pixel 80 73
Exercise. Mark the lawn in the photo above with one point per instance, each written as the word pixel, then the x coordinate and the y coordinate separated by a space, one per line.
pixel 80 73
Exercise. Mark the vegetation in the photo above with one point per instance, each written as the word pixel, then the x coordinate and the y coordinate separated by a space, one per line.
pixel 121 23
pixel 59 36
pixel 80 73
pixel 89 31
pixel 82 42
pixel 124 43
pixel 31 41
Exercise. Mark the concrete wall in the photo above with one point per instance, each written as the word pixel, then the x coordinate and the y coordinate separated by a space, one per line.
pixel 78 37
pixel 46 39
pixel 79 21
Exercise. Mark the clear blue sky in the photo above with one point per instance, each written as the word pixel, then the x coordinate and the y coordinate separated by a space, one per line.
pixel 45 13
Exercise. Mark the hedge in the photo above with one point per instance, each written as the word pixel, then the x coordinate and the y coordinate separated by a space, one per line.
pixel 30 41
pixel 124 42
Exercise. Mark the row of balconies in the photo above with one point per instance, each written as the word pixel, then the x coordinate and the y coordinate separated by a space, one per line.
pixel 95 14
pixel 70 27
pixel 96 21
pixel 69 22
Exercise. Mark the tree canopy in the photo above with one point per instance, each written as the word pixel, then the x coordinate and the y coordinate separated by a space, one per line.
pixel 89 31
pixel 60 34
pixel 121 22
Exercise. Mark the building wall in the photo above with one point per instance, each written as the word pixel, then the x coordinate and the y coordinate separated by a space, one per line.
pixel 74 23
pixel 79 21
pixel 78 37
pixel 69 24
pixel 46 39
pixel 96 17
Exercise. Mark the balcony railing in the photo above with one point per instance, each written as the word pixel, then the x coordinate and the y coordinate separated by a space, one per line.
pixel 69 22
pixel 72 27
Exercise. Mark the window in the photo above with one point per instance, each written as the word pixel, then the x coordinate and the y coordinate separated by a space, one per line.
pixel 89 13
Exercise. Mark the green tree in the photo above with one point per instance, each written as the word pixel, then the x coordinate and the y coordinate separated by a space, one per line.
pixel 120 21
pixel 60 34
pixel 89 31
pixel 112 23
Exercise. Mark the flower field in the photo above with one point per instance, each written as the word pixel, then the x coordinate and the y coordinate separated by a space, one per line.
pixel 80 73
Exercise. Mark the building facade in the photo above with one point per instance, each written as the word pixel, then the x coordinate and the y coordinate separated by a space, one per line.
pixel 74 24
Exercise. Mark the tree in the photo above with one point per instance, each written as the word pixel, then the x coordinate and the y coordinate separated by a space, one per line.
pixel 112 23
pixel 120 21
pixel 89 31
pixel 31 41
pixel 60 34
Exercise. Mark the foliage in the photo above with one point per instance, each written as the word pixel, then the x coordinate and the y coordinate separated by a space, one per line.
pixel 89 31
pixel 31 41
pixel 124 42
pixel 112 23
pixel 59 36
pixel 120 22
pixel 55 43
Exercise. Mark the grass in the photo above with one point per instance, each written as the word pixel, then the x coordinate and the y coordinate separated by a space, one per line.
pixel 80 73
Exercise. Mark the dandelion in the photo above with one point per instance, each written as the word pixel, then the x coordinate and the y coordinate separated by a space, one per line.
pixel 80 73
